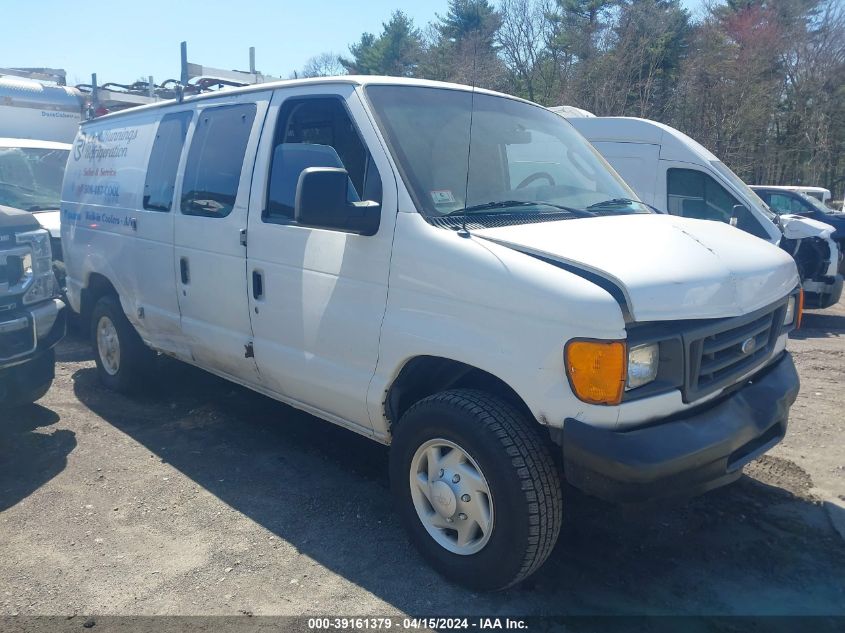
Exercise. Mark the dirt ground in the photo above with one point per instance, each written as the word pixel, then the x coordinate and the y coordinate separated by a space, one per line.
pixel 204 498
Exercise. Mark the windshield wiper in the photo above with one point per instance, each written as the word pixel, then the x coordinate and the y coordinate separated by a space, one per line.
pixel 481 209
pixel 613 202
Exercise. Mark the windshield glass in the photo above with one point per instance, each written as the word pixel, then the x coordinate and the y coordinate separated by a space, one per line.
pixel 518 158
pixel 747 191
pixel 814 202
pixel 30 178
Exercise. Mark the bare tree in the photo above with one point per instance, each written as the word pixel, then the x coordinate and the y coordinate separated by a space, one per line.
pixel 323 65
pixel 524 38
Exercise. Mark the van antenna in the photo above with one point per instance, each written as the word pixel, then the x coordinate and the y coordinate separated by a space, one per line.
pixel 464 232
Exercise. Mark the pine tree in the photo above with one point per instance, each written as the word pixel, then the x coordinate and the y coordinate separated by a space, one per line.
pixel 396 51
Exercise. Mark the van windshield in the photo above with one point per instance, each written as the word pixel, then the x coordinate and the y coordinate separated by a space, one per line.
pixel 31 178
pixel 514 158
pixel 814 202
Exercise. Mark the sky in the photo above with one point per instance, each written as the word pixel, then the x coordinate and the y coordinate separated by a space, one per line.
pixel 124 40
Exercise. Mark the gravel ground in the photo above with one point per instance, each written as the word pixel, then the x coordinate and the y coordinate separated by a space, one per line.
pixel 200 497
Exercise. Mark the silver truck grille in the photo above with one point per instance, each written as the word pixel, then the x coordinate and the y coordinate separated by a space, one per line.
pixel 720 354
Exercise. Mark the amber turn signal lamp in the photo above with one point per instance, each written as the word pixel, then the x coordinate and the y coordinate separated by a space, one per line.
pixel 800 312
pixel 597 370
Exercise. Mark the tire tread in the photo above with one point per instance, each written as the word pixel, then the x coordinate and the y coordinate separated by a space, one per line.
pixel 531 460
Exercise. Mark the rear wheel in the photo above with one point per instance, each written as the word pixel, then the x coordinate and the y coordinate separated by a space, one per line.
pixel 476 487
pixel 121 356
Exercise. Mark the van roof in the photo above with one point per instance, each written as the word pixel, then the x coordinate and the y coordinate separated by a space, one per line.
pixel 357 80
pixel 28 143
pixel 675 145
pixel 793 188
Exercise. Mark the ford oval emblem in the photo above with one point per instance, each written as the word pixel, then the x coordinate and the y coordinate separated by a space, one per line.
pixel 748 345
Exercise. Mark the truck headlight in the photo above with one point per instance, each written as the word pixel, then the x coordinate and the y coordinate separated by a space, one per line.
pixel 643 361
pixel 789 317
pixel 39 281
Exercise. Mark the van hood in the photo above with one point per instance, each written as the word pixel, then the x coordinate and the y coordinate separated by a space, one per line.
pixel 666 267
pixel 50 220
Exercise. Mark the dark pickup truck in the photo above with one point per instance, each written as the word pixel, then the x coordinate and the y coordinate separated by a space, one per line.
pixel 32 316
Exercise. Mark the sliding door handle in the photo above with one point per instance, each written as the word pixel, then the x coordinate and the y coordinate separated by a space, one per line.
pixel 257 284
pixel 183 270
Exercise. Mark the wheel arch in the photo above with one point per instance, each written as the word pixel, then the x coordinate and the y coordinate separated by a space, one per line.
pixel 97 286
pixel 423 376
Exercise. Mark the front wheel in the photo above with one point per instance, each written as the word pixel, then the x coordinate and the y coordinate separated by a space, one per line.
pixel 476 487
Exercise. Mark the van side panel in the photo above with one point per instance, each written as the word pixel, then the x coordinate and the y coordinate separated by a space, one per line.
pixel 629 159
pixel 105 228
pixel 435 309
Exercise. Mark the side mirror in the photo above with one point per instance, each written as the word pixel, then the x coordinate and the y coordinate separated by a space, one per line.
pixel 321 201
pixel 738 213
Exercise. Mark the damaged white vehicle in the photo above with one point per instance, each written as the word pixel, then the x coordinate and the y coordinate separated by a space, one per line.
pixel 674 173
pixel 452 272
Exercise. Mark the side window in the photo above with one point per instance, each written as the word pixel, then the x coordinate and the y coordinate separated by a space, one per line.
pixel 164 160
pixel 694 194
pixel 316 132
pixel 780 203
pixel 215 160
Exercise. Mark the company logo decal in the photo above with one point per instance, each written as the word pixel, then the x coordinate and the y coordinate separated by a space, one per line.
pixel 107 144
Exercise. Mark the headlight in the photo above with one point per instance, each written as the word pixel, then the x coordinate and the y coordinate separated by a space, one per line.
pixel 40 283
pixel 643 361
pixel 794 309
pixel 596 370
pixel 789 317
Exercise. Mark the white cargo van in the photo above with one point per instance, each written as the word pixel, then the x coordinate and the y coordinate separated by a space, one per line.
pixel 447 271
pixel 675 174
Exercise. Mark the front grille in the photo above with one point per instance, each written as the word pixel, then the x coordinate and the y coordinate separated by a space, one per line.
pixel 18 341
pixel 720 354
pixel 11 269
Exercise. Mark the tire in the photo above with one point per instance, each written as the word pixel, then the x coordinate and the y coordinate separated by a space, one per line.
pixel 510 457
pixel 27 397
pixel 124 371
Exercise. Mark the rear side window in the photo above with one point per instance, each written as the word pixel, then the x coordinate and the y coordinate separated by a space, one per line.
pixel 215 160
pixel 164 160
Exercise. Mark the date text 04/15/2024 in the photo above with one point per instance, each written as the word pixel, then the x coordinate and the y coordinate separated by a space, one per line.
pixel 357 624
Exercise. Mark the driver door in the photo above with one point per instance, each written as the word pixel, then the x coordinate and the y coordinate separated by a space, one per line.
pixel 317 296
